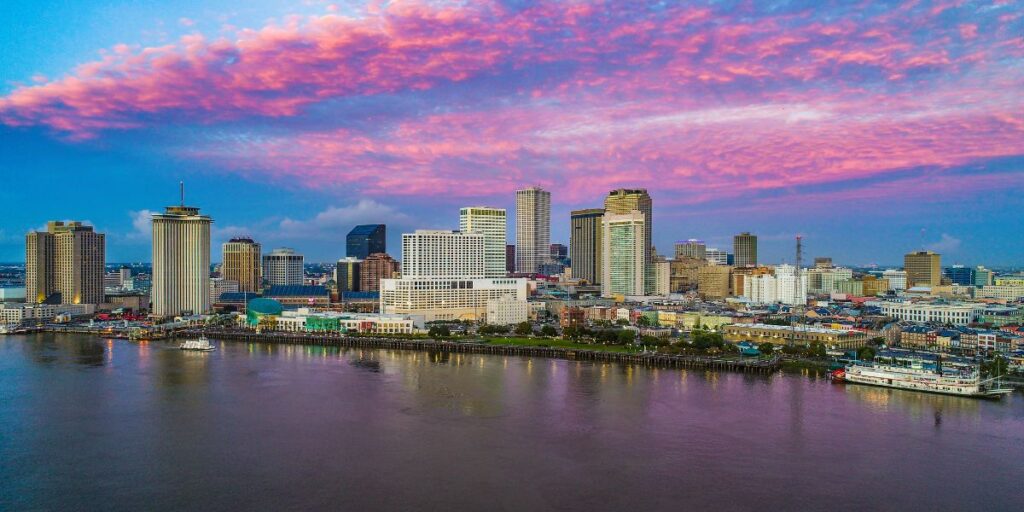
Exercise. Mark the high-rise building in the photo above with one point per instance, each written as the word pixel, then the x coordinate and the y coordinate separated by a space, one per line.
pixel 744 249
pixel 283 267
pixel 375 267
pixel 897 279
pixel 624 201
pixel 982 276
pixel 365 240
pixel 716 256
pixel 240 261
pixel 822 262
pixel 782 287
pixel 181 261
pixel 490 222
pixel 219 286
pixel 691 248
pixel 624 269
pixel 429 253
pixel 959 274
pixel 585 244
pixel 559 253
pixel 924 268
pixel 510 258
pixel 346 274
pixel 533 229
pixel 713 281
pixel 65 262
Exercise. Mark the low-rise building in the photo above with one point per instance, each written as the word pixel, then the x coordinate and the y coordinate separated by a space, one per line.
pixel 18 312
pixel 446 299
pixel 299 295
pixel 937 312
pixel 507 310
pixel 800 335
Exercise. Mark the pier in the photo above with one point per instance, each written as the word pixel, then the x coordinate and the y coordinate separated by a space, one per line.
pixel 762 366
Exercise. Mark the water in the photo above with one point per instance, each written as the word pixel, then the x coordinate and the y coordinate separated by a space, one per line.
pixel 90 424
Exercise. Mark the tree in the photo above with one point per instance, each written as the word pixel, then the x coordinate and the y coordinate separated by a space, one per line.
pixel 866 353
pixel 439 331
pixel 548 330
pixel 524 329
pixel 817 350
pixel 766 348
pixel 998 366
pixel 625 337
pixel 643 321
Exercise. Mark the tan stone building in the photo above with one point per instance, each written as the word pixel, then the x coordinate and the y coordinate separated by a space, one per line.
pixel 713 281
pixel 924 268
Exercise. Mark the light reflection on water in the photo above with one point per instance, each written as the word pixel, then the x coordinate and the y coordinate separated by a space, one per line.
pixel 313 426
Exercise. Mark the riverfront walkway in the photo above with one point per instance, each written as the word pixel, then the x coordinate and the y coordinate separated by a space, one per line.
pixel 749 365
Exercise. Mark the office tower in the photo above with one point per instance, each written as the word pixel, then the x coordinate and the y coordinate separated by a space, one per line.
pixel 744 249
pixel 429 253
pixel 510 258
pixel 559 253
pixel 283 267
pixel 623 268
pixel 240 261
pixel 982 276
pixel 181 261
pixel 346 274
pixel 959 274
pixel 625 201
pixel 691 248
pixel 375 267
pixel 365 240
pixel 716 256
pixel 585 244
pixel 923 268
pixel 533 229
pixel 220 285
pixel 65 264
pixel 490 222
pixel 897 279
pixel 822 262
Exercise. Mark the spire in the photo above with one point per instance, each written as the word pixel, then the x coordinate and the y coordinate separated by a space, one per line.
pixel 181 187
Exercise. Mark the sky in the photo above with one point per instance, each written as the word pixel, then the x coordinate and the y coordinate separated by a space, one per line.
pixel 869 128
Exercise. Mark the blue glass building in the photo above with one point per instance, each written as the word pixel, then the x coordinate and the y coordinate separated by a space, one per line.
pixel 365 240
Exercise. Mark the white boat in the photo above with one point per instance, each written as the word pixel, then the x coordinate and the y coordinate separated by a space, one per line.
pixel 902 369
pixel 202 344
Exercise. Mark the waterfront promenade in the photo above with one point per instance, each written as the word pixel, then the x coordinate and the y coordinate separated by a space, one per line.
pixel 747 365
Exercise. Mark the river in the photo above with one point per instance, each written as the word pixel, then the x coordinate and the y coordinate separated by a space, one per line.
pixel 95 424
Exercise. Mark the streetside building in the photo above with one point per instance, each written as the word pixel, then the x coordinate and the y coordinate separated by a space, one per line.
pixel 492 224
pixel 800 335
pixel 507 310
pixel 938 312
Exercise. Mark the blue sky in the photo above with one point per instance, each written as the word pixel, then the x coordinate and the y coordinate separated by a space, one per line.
pixel 870 130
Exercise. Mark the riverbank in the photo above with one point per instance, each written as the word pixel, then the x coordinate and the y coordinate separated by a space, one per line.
pixel 510 347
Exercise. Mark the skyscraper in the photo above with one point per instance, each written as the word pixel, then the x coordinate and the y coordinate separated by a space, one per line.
pixel 623 268
pixel 240 262
pixel 438 254
pixel 181 261
pixel 490 222
pixel 691 248
pixel 347 275
pixel 923 268
pixel 66 260
pixel 510 258
pixel 585 244
pixel 625 201
pixel 283 267
pixel 375 267
pixel 533 228
pixel 744 247
pixel 365 240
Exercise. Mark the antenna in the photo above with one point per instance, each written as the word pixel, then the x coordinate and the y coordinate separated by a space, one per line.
pixel 181 186
pixel 796 286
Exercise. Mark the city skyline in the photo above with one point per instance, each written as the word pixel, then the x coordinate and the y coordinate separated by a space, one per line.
pixel 867 130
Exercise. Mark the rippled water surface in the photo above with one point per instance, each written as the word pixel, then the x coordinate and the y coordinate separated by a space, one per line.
pixel 96 424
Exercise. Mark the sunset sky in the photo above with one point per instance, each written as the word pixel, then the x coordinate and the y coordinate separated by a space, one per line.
pixel 870 128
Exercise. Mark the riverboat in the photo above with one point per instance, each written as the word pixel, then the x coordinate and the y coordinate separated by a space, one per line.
pixel 201 344
pixel 917 371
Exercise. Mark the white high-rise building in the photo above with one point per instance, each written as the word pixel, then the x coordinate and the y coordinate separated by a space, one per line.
pixel 897 279
pixel 623 267
pixel 439 254
pixel 490 222
pixel 823 280
pixel 283 267
pixel 533 229
pixel 181 262
pixel 780 287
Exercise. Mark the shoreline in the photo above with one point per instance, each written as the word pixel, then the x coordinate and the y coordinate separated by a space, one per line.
pixel 762 366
